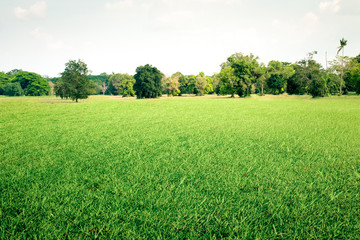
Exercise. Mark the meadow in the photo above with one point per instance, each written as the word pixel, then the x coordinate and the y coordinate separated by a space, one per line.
pixel 184 167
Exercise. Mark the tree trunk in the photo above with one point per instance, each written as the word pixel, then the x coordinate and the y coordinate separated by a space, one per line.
pixel 342 72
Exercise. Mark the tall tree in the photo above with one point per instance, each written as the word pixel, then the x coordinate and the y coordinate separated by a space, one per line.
pixel 342 46
pixel 148 82
pixel 74 82
pixel 245 69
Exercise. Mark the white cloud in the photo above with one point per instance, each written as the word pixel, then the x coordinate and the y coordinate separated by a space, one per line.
pixel 37 10
pixel 332 6
pixel 48 39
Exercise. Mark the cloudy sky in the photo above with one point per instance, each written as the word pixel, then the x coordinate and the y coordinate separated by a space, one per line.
pixel 174 35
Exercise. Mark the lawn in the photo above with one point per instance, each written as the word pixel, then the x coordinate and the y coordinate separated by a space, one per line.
pixel 183 167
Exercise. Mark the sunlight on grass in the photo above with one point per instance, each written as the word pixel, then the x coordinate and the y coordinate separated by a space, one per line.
pixel 181 167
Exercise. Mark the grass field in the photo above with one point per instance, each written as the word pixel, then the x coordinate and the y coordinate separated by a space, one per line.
pixel 175 168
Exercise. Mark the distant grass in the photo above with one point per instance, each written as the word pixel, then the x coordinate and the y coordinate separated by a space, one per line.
pixel 175 168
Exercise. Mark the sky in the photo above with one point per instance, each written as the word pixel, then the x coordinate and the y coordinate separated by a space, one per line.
pixel 189 36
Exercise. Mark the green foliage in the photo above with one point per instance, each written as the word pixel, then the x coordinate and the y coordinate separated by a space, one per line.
pixel 148 82
pixel 172 84
pixel 14 72
pixel 128 88
pixel 74 82
pixel 261 77
pixel 61 89
pixel 13 89
pixel 200 84
pixel 227 81
pixel 318 87
pixel 180 168
pixel 343 44
pixel 187 84
pixel 184 82
pixel 4 79
pixel 278 74
pixel 333 83
pixel 101 83
pixel 357 58
pixel 276 83
pixel 355 79
pixel 209 88
pixel 246 71
pixel 121 84
pixel 99 79
pixel 32 84
pixel 306 71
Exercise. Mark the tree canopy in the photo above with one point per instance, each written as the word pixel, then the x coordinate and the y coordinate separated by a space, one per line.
pixel 32 83
pixel 148 82
pixel 4 79
pixel 74 82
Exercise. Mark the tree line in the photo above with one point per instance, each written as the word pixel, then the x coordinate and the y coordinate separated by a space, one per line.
pixel 240 75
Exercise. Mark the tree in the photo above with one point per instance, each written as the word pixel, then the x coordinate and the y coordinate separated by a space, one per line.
pixel 306 71
pixel 343 43
pixel 13 89
pixel 101 81
pixel 357 58
pixel 260 82
pixel 200 84
pixel 343 66
pixel 227 81
pixel 183 85
pixel 333 83
pixel 318 87
pixel 245 69
pixel 128 87
pixel 278 74
pixel 355 79
pixel 74 83
pixel 276 83
pixel 209 89
pixel 172 84
pixel 187 84
pixel 103 88
pixel 61 89
pixel 148 82
pixel 4 79
pixel 32 84
pixel 118 81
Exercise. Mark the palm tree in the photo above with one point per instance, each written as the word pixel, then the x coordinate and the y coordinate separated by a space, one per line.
pixel 343 43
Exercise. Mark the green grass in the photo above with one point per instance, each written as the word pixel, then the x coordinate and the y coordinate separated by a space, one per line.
pixel 175 168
